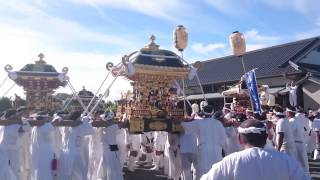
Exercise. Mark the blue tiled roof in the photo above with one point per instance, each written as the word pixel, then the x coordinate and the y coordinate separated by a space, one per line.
pixel 270 62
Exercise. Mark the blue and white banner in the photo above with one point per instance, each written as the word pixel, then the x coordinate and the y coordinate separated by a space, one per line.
pixel 253 90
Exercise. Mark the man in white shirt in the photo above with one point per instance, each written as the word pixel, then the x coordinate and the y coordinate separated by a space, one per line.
pixel 284 136
pixel 188 148
pixel 316 129
pixel 297 124
pixel 255 162
pixel 211 139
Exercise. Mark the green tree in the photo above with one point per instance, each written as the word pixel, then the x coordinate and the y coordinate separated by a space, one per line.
pixel 5 104
pixel 111 106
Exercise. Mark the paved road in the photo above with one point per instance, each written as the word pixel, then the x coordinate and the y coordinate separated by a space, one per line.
pixel 143 172
pixel 314 169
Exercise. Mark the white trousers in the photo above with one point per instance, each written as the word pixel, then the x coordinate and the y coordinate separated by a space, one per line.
pixel 302 156
pixel 187 161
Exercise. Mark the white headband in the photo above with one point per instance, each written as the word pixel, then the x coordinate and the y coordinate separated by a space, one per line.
pixel 249 130
pixel 289 110
pixel 278 113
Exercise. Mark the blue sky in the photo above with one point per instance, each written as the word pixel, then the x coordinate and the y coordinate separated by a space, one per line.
pixel 85 34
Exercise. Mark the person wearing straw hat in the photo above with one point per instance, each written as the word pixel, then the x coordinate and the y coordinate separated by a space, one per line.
pixel 298 127
pixel 255 162
pixel 284 136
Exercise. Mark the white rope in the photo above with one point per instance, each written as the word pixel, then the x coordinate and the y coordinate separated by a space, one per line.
pixel 198 79
pixel 91 101
pixel 105 94
pixel 9 89
pixel 66 105
pixel 199 83
pixel 3 81
pixel 184 98
pixel 77 97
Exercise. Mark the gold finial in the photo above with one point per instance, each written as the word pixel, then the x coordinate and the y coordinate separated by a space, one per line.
pixel 41 61
pixel 152 46
pixel 152 38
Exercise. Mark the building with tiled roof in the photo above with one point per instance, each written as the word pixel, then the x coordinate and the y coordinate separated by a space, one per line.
pixel 276 66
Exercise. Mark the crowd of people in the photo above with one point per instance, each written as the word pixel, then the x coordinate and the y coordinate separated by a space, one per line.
pixel 274 145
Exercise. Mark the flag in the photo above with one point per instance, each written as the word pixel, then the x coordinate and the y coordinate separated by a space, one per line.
pixel 253 90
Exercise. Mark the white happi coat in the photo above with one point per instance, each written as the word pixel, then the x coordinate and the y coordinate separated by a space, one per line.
pixel 42 151
pixel 109 166
pixel 212 138
pixel 288 145
pixel 11 146
pixel 122 141
pixel 316 128
pixel 174 156
pixel 311 138
pixel 95 153
pixel 232 144
pixel 134 141
pixel 6 172
pixel 72 162
pixel 160 139
pixel 256 164
pixel 298 126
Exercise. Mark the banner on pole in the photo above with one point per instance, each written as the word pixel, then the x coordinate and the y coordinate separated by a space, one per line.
pixel 253 90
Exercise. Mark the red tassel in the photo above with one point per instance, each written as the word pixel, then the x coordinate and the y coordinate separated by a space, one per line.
pixel 54 165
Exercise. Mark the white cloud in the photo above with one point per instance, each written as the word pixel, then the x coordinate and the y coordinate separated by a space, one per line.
pixel 164 9
pixel 254 36
pixel 308 34
pixel 59 30
pixel 22 39
pixel 231 7
pixel 256 40
pixel 207 48
pixel 310 7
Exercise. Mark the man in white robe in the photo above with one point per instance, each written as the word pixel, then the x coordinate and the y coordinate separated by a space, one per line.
pixel 188 148
pixel 10 143
pixel 72 162
pixel 6 172
pixel 109 166
pixel 299 128
pixel 255 162
pixel 316 129
pixel 147 143
pixel 134 142
pixel 284 136
pixel 211 139
pixel 160 139
pixel 232 144
pixel 173 156
pixel 43 146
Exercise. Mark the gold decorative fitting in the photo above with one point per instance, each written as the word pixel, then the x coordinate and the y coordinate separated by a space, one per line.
pixel 8 68
pixel 41 61
pixel 109 66
pixel 152 46
pixel 65 70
